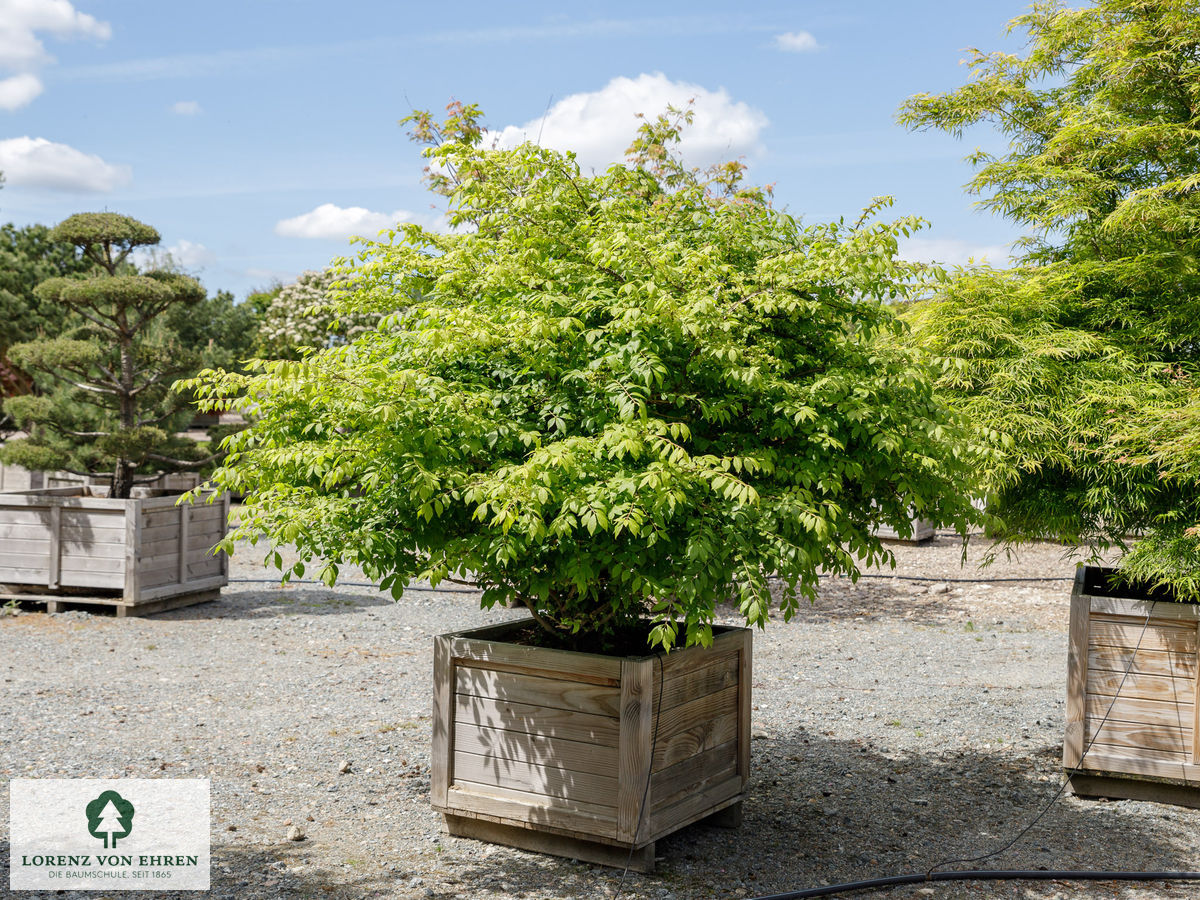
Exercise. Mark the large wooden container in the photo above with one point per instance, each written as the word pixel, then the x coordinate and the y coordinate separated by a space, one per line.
pixel 556 751
pixel 922 530
pixel 140 556
pixel 1134 735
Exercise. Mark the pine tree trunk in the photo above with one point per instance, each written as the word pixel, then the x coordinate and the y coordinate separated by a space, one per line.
pixel 122 484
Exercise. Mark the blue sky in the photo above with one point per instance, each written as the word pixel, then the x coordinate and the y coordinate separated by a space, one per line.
pixel 255 135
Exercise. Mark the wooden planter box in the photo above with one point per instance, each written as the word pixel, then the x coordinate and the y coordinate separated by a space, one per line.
pixel 922 531
pixel 14 478
pixel 140 556
pixel 1145 743
pixel 551 750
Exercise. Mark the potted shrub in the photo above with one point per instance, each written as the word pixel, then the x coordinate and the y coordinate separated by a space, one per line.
pixel 1079 367
pixel 104 404
pixel 616 402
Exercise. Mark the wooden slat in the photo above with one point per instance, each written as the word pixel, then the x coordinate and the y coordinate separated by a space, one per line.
pixel 745 698
pixel 637 709
pixel 697 712
pixel 1173 756
pixel 1196 713
pixel 1145 662
pixel 30 574
pixel 589 667
pixel 114 580
pixel 1142 687
pixel 586 787
pixel 88 564
pixel 688 773
pixel 574 756
pixel 87 536
pixel 700 682
pixel 205 568
pixel 1131 735
pixel 16 551
pixel 1137 609
pixel 702 737
pixel 1107 762
pixel 554 692
pixel 725 640
pixel 555 723
pixel 198 586
pixel 185 522
pixel 46 498
pixel 54 552
pixel 442 747
pixel 701 781
pixel 534 809
pixel 1158 636
pixel 1143 712
pixel 90 550
pixel 695 806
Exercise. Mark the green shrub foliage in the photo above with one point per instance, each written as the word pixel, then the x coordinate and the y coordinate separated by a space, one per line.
pixel 1081 366
pixel 616 400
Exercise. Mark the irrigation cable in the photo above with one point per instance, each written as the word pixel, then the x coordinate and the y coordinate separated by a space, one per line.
pixel 961 580
pixel 982 875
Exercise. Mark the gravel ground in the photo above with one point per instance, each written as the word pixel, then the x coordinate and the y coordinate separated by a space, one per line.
pixel 897 724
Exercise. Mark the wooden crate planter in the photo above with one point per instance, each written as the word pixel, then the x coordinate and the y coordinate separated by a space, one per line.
pixel 1148 747
pixel 551 750
pixel 141 556
pixel 922 530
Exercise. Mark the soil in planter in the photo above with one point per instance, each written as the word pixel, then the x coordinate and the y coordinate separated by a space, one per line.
pixel 1106 582
pixel 629 640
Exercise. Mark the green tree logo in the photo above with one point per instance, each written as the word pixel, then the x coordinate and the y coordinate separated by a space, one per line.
pixel 110 816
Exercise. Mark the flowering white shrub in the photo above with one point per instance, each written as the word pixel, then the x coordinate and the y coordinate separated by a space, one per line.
pixel 304 315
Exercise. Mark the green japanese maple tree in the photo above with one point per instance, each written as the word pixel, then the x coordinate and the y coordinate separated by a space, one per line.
pixel 617 401
pixel 1080 366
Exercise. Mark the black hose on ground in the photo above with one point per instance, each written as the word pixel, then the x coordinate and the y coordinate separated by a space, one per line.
pixel 981 875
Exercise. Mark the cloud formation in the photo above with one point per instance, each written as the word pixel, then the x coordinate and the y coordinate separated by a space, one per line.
pixel 37 162
pixel 22 51
pixel 331 222
pixel 796 42
pixel 599 125
pixel 19 90
pixel 186 108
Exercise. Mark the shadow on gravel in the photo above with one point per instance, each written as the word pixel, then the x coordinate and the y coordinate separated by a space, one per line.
pixel 271 871
pixel 266 602
pixel 824 811
pixel 819 810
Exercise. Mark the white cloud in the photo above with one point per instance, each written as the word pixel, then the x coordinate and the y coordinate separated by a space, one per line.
pixel 599 125
pixel 184 254
pixel 186 108
pixel 330 222
pixel 19 90
pixel 796 42
pixel 953 252
pixel 37 162
pixel 22 51
pixel 191 255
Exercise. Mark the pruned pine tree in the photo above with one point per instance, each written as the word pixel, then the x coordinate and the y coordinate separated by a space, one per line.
pixel 105 404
